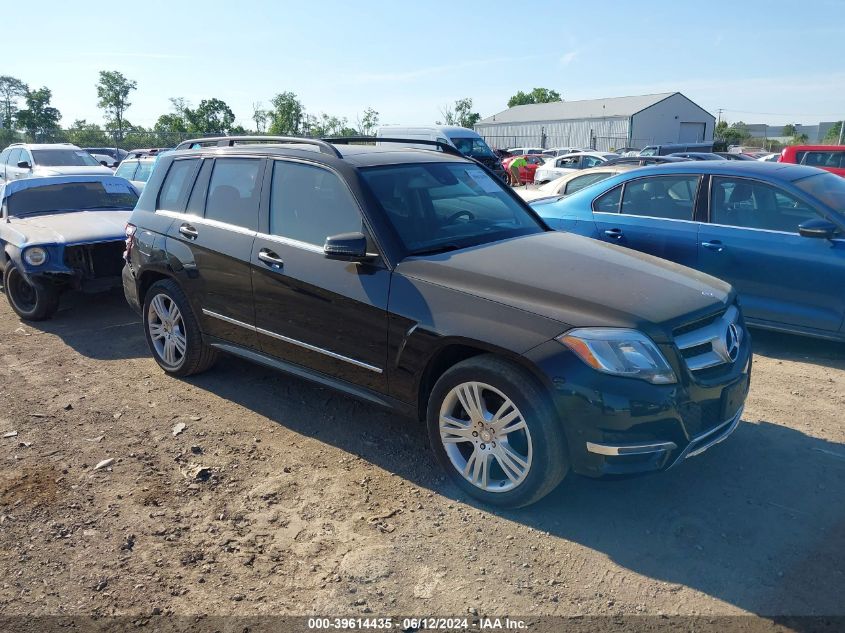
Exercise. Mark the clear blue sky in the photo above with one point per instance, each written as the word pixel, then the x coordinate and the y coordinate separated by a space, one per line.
pixel 762 61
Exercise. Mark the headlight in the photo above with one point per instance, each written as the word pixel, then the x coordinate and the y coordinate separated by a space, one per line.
pixel 35 256
pixel 620 352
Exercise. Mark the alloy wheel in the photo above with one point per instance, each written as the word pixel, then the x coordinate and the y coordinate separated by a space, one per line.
pixel 167 330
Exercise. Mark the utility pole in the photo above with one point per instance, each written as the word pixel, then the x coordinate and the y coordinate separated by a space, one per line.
pixel 841 131
pixel 720 116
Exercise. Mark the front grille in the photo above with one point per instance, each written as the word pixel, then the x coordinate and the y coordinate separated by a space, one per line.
pixel 704 343
pixel 95 261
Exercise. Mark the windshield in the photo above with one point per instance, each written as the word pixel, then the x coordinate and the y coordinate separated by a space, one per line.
pixel 72 196
pixel 828 188
pixel 473 147
pixel 444 206
pixel 63 158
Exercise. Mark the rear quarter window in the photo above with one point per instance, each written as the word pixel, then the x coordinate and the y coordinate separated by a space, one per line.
pixel 176 184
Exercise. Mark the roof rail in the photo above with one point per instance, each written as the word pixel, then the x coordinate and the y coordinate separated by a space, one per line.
pixel 345 140
pixel 230 141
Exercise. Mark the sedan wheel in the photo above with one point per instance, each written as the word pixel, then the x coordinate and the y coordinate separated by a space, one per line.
pixel 485 437
pixel 167 330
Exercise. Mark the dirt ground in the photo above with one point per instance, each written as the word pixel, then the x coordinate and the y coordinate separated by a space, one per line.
pixel 281 497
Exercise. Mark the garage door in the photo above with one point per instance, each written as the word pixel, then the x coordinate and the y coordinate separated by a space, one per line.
pixel 691 133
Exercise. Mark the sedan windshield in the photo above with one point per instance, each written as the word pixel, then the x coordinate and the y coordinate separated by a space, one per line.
pixel 829 188
pixel 72 196
pixel 63 158
pixel 445 206
pixel 473 147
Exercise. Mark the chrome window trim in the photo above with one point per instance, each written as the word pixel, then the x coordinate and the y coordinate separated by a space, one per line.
pixel 292 341
pixel 198 219
pixel 289 241
pixel 650 217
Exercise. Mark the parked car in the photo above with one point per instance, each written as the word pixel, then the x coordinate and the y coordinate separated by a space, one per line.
pixel 557 167
pixel 642 161
pixel 526 172
pixel 561 151
pixel 733 156
pixel 468 142
pixel 115 153
pixel 572 182
pixel 525 151
pixel 627 151
pixel 671 148
pixel 410 279
pixel 828 157
pixel 105 161
pixel 59 233
pixel 28 160
pixel 697 155
pixel 138 165
pixel 770 158
pixel 775 232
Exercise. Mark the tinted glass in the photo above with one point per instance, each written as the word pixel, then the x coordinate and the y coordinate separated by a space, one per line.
pixel 828 188
pixel 145 169
pixel 233 192
pixel 64 157
pixel 590 161
pixel 127 169
pixel 474 147
pixel 309 203
pixel 576 184
pixel 608 202
pixel 14 157
pixel 436 206
pixel 824 159
pixel 756 205
pixel 73 196
pixel 196 203
pixel 175 184
pixel 670 197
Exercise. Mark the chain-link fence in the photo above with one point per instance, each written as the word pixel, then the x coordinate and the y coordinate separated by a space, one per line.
pixel 85 137
pixel 596 143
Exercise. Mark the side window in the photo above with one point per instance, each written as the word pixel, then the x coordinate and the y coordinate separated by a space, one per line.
pixel 175 185
pixel 126 169
pixel 576 184
pixel 591 161
pixel 14 157
pixel 755 205
pixel 609 201
pixel 234 191
pixel 309 203
pixel 196 203
pixel 670 197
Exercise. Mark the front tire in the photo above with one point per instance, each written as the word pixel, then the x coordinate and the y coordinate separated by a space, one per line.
pixel 173 333
pixel 33 302
pixel 495 432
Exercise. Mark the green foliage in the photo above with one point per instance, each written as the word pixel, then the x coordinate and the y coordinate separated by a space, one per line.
pixel 538 95
pixel 39 119
pixel 733 134
pixel 86 134
pixel 11 89
pixel 260 116
pixel 832 136
pixel 326 125
pixel 798 139
pixel 287 115
pixel 790 129
pixel 464 116
pixel 211 116
pixel 113 98
pixel 368 123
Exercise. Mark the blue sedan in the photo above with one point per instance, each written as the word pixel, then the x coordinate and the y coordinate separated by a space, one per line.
pixel 774 231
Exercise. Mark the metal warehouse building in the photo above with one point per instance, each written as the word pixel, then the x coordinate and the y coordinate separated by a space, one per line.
pixel 601 124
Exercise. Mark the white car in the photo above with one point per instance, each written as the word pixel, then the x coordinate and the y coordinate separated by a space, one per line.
pixel 61 233
pixel 572 182
pixel 562 151
pixel 29 160
pixel 524 151
pixel 562 165
pixel 769 158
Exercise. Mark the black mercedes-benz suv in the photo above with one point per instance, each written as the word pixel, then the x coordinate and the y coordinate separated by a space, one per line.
pixel 415 279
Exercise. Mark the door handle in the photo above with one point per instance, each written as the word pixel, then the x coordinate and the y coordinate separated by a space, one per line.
pixel 188 231
pixel 715 245
pixel 269 257
pixel 614 233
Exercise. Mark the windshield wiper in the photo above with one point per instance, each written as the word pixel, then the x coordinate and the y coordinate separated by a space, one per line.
pixel 433 250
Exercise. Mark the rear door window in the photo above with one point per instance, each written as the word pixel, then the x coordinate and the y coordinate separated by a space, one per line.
pixel 576 184
pixel 234 192
pixel 756 205
pixel 608 202
pixel 668 197
pixel 127 169
pixel 174 189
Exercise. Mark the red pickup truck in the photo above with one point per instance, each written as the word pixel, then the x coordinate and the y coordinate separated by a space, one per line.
pixel 829 157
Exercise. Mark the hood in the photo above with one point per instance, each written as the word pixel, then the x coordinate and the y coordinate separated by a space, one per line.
pixel 577 281
pixel 71 170
pixel 73 227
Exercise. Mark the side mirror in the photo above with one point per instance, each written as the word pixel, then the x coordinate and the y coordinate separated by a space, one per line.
pixel 818 229
pixel 24 164
pixel 348 247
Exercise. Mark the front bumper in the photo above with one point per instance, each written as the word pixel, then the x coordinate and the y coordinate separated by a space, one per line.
pixel 625 426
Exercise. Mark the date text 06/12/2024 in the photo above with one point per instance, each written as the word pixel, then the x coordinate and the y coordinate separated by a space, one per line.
pixel 416 624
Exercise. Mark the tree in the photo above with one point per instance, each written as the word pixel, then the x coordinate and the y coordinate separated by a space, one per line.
pixel 260 116
pixel 326 125
pixel 790 129
pixel 287 114
pixel 832 135
pixel 448 116
pixel 113 98
pixel 11 89
pixel 464 116
pixel 733 134
pixel 799 139
pixel 86 134
pixel 39 119
pixel 211 116
pixel 368 123
pixel 538 95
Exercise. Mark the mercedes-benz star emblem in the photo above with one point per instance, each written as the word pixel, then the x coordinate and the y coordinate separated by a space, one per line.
pixel 732 340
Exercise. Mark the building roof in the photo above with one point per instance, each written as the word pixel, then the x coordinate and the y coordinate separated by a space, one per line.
pixel 586 109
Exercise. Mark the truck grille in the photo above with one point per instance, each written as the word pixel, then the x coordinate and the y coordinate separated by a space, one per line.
pixel 710 343
pixel 95 261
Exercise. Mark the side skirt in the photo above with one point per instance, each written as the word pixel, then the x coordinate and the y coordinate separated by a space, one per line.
pixel 356 391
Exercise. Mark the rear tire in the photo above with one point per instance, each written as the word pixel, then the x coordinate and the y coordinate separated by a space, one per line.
pixel 33 302
pixel 173 333
pixel 496 433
